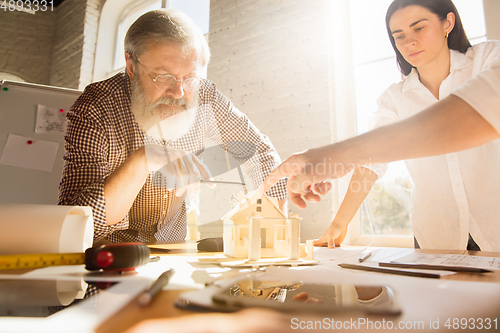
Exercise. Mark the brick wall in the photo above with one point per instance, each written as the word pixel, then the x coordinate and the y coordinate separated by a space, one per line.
pixel 68 44
pixel 26 44
pixel 91 26
pixel 52 47
pixel 271 59
pixel 74 43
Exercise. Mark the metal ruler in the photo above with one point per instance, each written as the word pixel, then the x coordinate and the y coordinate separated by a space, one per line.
pixel 21 261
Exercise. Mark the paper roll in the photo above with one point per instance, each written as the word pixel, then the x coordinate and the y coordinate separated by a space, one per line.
pixel 26 229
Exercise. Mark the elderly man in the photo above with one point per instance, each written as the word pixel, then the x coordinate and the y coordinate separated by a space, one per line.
pixel 133 141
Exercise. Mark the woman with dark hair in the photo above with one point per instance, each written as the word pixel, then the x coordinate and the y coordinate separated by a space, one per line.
pixel 455 196
pixel 456 38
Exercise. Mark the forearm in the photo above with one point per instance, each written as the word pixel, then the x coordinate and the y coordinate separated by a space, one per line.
pixel 122 186
pixel 447 126
pixel 361 183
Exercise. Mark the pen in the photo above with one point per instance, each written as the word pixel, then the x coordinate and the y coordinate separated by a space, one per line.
pixel 436 267
pixel 366 256
pixel 221 182
pixel 146 297
pixel 390 270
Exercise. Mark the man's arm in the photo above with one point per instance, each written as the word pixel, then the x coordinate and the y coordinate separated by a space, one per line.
pixel 181 170
pixel 85 163
pixel 122 186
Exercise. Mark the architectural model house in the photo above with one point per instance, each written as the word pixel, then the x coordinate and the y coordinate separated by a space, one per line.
pixel 256 228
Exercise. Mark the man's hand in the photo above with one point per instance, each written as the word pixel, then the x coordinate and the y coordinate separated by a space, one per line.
pixel 181 169
pixel 307 172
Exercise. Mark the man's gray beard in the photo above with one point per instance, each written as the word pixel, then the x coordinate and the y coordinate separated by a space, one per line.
pixel 169 126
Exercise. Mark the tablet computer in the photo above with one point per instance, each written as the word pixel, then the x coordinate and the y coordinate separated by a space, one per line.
pixel 257 290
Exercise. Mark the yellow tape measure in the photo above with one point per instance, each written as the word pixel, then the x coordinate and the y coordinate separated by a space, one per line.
pixel 20 261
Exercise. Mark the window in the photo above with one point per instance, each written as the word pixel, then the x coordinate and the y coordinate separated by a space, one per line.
pixel 198 10
pixel 10 77
pixel 118 15
pixel 129 15
pixel 386 211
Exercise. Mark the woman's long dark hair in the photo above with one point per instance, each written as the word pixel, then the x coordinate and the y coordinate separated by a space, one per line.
pixel 457 39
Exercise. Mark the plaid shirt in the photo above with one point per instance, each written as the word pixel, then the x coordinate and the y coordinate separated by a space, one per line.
pixel 102 133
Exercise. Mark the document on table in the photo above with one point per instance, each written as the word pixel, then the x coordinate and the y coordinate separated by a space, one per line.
pixel 450 260
pixel 340 254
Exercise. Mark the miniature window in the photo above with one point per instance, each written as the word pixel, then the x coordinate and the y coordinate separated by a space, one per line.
pixel 243 231
pixel 280 232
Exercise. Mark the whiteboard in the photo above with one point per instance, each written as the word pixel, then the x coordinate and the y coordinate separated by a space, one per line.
pixel 18 110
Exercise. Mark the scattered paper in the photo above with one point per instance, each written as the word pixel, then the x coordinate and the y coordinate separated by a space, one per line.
pixel 340 254
pixel 50 120
pixel 29 153
pixel 451 260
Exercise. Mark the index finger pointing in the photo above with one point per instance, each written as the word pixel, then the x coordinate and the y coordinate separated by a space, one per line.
pixel 285 169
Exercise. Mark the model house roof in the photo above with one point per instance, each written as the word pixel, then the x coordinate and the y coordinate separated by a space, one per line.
pixel 250 203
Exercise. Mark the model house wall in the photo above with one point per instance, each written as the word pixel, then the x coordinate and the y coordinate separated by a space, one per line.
pixel 256 228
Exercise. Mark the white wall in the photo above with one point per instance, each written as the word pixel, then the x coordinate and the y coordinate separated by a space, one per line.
pixel 271 59
pixel 492 13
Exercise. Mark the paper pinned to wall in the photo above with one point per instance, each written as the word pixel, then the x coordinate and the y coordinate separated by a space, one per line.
pixel 25 152
pixel 28 229
pixel 50 120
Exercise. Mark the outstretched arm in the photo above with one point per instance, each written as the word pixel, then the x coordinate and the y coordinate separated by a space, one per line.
pixel 447 126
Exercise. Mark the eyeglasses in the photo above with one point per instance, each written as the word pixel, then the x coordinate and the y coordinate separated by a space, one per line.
pixel 167 81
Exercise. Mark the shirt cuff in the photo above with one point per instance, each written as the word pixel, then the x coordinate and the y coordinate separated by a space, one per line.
pixel 279 190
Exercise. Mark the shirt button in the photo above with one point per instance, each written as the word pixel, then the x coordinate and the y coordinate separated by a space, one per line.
pixel 457 184
pixel 165 196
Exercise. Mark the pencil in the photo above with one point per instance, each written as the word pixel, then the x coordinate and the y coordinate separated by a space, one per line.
pixel 146 297
pixel 366 256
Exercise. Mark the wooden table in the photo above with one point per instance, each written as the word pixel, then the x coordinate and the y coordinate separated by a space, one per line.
pixel 162 306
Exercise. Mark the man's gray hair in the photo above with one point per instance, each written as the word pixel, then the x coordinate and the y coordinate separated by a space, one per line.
pixel 166 26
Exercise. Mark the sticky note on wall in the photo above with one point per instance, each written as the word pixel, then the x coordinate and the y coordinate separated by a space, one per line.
pixel 24 152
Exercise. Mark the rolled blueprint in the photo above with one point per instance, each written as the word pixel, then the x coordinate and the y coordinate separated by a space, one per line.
pixel 26 229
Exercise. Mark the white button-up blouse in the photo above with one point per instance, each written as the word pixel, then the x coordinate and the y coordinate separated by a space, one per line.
pixel 458 193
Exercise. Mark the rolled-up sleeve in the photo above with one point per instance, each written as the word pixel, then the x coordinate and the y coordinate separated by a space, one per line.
pixel 86 167
pixel 482 92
